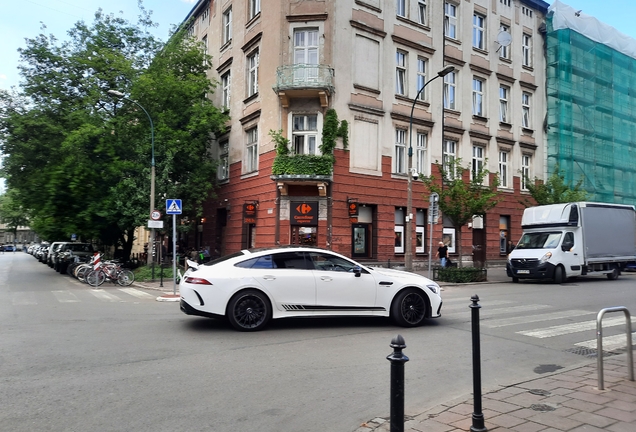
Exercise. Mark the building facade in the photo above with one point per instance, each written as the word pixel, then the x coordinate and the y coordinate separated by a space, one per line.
pixel 591 104
pixel 283 67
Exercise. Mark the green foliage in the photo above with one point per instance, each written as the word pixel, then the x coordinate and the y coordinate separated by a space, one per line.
pixel 554 190
pixel 460 275
pixel 331 130
pixel 79 159
pixel 282 143
pixel 144 273
pixel 12 213
pixel 460 200
pixel 303 164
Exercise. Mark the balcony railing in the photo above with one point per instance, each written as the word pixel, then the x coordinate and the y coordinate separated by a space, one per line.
pixel 304 76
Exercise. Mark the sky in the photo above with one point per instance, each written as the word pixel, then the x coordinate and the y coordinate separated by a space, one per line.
pixel 21 19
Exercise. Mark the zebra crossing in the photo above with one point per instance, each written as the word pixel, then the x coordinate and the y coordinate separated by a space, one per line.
pixel 539 322
pixel 121 295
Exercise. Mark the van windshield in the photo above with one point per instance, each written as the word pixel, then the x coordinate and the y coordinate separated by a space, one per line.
pixel 540 240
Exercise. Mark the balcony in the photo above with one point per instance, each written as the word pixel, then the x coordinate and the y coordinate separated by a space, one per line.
pixel 304 81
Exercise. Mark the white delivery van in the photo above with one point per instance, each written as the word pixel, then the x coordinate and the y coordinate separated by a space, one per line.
pixel 560 241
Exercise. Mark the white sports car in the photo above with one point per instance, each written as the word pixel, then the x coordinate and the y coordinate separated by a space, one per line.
pixel 251 287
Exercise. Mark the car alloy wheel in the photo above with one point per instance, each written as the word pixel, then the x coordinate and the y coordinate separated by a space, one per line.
pixel 249 311
pixel 409 308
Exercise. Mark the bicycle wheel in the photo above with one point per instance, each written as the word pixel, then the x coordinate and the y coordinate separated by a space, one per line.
pixel 95 278
pixel 125 278
pixel 82 271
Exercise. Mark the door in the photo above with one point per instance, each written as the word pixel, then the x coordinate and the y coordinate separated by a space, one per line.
pixel 304 236
pixel 360 240
pixel 338 288
pixel 479 247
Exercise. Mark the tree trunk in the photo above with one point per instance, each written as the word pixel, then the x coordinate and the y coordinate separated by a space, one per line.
pixel 458 243
pixel 127 239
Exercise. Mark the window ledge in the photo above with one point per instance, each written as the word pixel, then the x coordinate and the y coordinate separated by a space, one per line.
pixel 505 125
pixel 527 131
pixel 250 98
pixel 480 118
pixel 480 50
pixel 528 68
pixel 505 60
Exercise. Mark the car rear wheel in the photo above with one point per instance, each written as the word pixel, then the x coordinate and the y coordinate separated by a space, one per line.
pixel 614 274
pixel 249 310
pixel 409 308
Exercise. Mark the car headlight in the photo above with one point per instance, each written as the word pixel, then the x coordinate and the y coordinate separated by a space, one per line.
pixel 545 257
pixel 433 287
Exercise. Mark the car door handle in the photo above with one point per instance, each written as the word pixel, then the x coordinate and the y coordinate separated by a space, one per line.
pixel 326 278
pixel 386 283
pixel 269 277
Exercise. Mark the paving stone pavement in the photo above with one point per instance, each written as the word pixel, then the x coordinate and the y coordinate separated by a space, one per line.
pixel 567 400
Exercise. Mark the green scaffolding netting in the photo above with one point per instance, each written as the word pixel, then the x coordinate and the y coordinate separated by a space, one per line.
pixel 591 96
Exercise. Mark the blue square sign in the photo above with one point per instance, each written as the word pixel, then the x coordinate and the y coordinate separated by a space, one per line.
pixel 173 206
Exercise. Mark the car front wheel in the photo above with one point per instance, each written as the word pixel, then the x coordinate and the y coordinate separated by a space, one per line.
pixel 249 310
pixel 409 308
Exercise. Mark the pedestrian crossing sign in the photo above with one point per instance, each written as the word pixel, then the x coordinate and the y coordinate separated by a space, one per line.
pixel 173 206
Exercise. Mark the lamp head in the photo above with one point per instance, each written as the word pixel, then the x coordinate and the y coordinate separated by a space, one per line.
pixel 115 93
pixel 446 71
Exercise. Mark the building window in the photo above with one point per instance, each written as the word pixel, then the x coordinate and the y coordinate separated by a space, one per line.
pixel 526 47
pixel 525 171
pixel 504 234
pixel 450 20
pixel 227 25
pixel 504 50
pixel 449 154
pixel 504 94
pixel 255 7
pixel 399 230
pixel 306 53
pixel 226 83
pixel 526 11
pixel 305 134
pixel 478 161
pixel 503 168
pixel 505 2
pixel 399 158
pixel 421 77
pixel 251 150
pixel 479 31
pixel 400 73
pixel 252 73
pixel 401 8
pixel 450 81
pixel 420 230
pixel 205 16
pixel 421 12
pixel 223 172
pixel 526 118
pixel 478 97
pixel 420 153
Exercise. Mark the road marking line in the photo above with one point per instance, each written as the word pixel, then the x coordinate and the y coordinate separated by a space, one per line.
pixel 23 299
pixel 65 297
pixel 570 328
pixel 610 343
pixel 105 295
pixel 136 293
pixel 535 318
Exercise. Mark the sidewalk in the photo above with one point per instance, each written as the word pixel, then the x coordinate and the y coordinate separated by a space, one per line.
pixel 562 401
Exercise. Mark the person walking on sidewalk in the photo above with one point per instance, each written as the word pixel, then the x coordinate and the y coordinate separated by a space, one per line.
pixel 442 254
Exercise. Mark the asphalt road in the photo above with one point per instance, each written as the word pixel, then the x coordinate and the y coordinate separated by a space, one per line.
pixel 77 359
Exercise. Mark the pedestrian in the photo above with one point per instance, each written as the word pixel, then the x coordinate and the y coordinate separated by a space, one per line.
pixel 442 254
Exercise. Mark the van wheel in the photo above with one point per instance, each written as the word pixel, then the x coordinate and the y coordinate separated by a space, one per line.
pixel 559 275
pixel 613 275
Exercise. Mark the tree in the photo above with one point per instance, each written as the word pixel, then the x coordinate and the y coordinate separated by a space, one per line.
pixel 12 214
pixel 462 195
pixel 79 159
pixel 554 190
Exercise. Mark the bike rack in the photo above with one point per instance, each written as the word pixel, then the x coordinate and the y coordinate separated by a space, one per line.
pixel 599 343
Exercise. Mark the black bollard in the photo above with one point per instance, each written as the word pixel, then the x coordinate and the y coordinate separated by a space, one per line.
pixel 397 359
pixel 478 416
pixel 161 275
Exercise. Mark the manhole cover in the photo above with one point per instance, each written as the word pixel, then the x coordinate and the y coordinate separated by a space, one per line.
pixel 542 407
pixel 539 392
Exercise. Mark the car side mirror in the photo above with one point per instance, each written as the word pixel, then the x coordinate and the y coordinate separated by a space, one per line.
pixel 565 247
pixel 357 271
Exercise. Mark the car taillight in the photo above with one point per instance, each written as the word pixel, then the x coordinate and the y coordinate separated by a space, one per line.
pixel 197 281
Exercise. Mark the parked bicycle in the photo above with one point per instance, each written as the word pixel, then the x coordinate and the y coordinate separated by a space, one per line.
pixel 111 271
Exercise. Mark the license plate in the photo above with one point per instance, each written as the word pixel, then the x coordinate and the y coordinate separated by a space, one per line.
pixel 523 271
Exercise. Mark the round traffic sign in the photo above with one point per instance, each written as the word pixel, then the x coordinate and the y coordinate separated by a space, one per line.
pixel 155 215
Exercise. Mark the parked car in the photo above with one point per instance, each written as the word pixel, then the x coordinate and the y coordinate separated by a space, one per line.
pixel 42 253
pixel 251 287
pixel 53 248
pixel 70 252
pixel 9 248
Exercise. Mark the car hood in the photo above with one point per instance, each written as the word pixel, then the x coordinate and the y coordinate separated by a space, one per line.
pixel 529 253
pixel 404 275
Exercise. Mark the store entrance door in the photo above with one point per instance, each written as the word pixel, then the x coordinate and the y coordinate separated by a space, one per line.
pixel 303 236
pixel 360 240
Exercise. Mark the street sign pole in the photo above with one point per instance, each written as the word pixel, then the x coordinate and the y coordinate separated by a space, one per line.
pixel 174 254
pixel 432 210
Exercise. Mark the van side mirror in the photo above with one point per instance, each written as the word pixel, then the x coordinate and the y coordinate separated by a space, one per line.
pixel 565 247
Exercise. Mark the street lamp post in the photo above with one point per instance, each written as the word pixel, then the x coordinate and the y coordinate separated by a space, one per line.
pixel 408 247
pixel 151 243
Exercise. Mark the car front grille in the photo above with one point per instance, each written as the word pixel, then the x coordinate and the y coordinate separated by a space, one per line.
pixel 524 263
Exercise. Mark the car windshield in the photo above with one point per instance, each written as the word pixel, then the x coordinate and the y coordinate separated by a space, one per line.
pixel 78 247
pixel 539 240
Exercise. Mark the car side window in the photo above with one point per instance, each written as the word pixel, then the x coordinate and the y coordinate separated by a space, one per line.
pixel 262 262
pixel 292 260
pixel 328 262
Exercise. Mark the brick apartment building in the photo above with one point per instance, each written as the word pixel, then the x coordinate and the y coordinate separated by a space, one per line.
pixel 281 65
